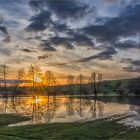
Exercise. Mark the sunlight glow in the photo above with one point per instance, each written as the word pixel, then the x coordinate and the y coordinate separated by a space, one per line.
pixel 38 79
pixel 37 100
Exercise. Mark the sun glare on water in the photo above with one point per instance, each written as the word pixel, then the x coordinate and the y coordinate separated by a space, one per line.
pixel 37 100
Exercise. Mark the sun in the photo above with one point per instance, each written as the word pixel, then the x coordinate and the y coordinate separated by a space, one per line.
pixel 38 79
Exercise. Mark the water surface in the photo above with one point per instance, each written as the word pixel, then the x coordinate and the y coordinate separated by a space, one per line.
pixel 49 109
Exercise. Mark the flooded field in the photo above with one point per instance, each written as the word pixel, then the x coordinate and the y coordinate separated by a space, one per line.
pixel 50 109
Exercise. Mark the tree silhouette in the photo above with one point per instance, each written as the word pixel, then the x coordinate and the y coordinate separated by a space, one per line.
pixel 80 82
pixel 16 83
pixel 95 81
pixel 50 81
pixel 35 76
pixel 70 83
pixel 3 73
pixel 49 78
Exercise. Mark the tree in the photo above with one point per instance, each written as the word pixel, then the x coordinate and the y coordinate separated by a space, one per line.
pixel 70 82
pixel 120 88
pixel 19 80
pixel 50 81
pixel 35 76
pixel 79 82
pixel 15 84
pixel 49 78
pixel 95 80
pixel 134 86
pixel 3 73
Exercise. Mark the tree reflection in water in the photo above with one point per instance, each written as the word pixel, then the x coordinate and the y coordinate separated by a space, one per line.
pixel 43 109
pixel 70 106
pixel 80 106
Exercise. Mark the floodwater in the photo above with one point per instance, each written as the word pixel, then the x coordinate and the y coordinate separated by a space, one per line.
pixel 50 109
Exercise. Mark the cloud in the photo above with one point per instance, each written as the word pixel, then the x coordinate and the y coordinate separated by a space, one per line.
pixel 40 21
pixel 131 69
pixel 127 45
pixel 43 57
pixel 4 30
pixel 134 66
pixel 64 41
pixel 127 23
pixel 46 46
pixel 44 19
pixel 75 38
pixel 107 54
pixel 5 51
pixel 7 39
pixel 81 39
pixel 111 1
pixel 63 8
pixel 28 50
pixel 136 62
pixel 71 9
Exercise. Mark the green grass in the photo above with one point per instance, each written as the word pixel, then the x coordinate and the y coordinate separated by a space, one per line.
pixel 6 119
pixel 93 130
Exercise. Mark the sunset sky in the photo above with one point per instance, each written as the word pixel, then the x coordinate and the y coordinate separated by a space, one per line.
pixel 72 36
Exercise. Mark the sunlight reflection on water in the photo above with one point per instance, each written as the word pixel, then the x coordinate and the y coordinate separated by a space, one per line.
pixel 46 109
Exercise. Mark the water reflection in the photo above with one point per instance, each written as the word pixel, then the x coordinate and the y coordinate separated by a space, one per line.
pixel 46 109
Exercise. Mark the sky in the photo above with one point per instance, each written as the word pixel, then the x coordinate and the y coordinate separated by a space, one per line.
pixel 72 36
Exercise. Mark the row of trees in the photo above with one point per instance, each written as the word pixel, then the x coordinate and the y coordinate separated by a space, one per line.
pixel 37 80
pixel 33 78
pixel 131 86
pixel 94 81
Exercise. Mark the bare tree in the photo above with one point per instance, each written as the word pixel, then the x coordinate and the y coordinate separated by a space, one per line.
pixel 120 88
pixel 80 82
pixel 50 81
pixel 49 78
pixel 3 73
pixel 95 81
pixel 19 80
pixel 35 75
pixel 70 82
pixel 16 83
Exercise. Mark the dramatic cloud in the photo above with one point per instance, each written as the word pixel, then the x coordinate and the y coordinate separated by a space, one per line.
pixel 81 39
pixel 63 8
pixel 127 23
pixel 70 33
pixel 107 54
pixel 40 21
pixel 61 41
pixel 127 45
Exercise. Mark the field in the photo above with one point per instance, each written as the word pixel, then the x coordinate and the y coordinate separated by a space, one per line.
pixel 96 130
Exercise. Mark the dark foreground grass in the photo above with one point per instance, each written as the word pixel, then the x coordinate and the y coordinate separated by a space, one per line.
pixel 6 119
pixel 94 130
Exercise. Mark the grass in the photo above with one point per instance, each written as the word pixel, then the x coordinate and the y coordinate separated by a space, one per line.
pixel 6 119
pixel 93 130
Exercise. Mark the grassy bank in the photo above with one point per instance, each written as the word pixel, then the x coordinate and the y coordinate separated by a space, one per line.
pixel 6 119
pixel 93 130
